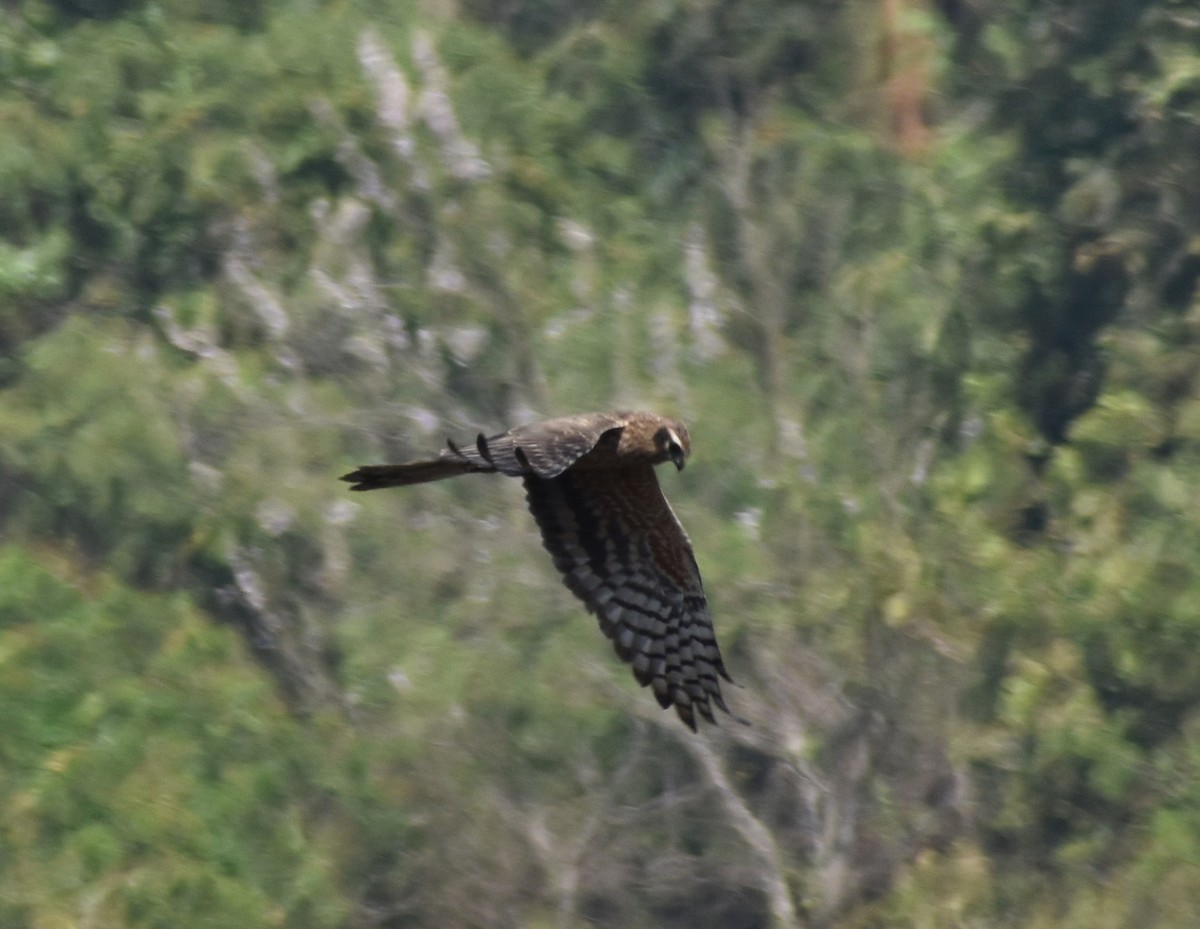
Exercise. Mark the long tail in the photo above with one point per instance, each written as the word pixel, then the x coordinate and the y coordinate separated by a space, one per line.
pixel 373 477
pixel 451 463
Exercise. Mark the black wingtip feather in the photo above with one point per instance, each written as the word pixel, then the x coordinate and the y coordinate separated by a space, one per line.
pixel 482 447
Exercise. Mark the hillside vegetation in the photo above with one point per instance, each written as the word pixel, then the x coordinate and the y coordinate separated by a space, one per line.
pixel 922 279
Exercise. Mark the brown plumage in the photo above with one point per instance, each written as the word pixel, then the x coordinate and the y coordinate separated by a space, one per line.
pixel 590 483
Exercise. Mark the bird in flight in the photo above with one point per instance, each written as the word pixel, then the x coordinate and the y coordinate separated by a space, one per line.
pixel 590 483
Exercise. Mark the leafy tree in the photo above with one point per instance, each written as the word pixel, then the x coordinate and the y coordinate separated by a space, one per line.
pixel 922 280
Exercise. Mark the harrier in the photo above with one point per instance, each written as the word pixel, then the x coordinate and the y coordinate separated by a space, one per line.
pixel 590 483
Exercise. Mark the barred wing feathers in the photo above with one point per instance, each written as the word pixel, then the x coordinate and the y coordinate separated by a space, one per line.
pixel 621 550
pixel 545 449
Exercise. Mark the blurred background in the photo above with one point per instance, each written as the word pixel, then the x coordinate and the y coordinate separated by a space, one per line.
pixel 920 275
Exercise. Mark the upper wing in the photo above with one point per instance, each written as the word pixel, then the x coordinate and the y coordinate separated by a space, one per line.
pixel 545 449
pixel 621 550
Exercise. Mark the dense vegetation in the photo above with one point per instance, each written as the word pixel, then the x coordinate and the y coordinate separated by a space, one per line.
pixel 922 279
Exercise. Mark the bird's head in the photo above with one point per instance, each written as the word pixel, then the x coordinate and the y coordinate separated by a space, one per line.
pixel 673 443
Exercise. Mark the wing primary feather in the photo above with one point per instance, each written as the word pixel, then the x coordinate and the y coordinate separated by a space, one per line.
pixel 522 460
pixel 482 447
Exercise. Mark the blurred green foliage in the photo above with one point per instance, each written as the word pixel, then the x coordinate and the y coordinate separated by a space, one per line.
pixel 149 769
pixel 944 391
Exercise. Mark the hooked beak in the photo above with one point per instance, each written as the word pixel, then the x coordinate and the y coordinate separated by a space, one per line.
pixel 678 457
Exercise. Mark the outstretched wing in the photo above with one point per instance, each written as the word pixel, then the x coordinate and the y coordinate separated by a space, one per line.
pixel 545 449
pixel 621 550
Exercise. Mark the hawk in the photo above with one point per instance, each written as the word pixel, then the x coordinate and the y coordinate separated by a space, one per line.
pixel 590 483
